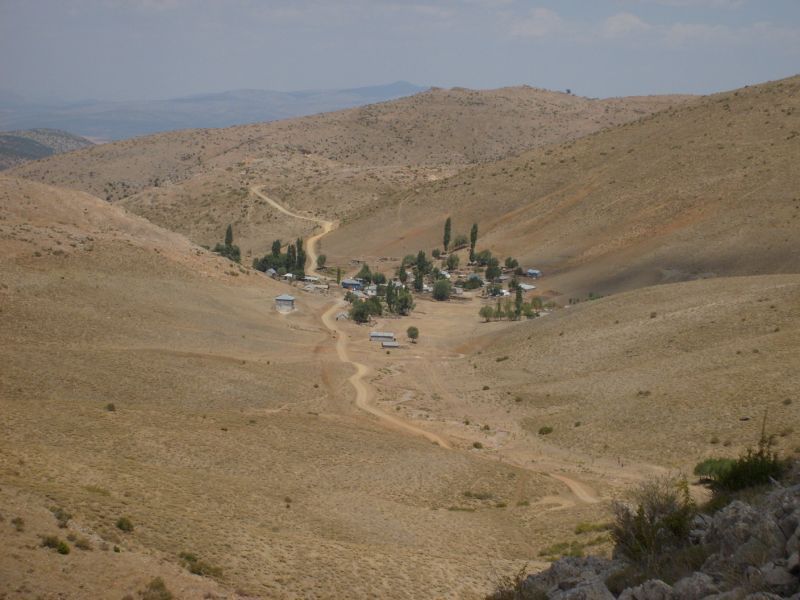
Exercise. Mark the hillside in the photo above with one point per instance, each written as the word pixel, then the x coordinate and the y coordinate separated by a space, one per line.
pixel 17 147
pixel 707 188
pixel 121 120
pixel 337 164
pixel 144 377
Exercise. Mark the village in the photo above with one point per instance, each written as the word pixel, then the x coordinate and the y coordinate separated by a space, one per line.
pixel 504 291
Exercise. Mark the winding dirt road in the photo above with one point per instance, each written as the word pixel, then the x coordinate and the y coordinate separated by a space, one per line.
pixel 365 394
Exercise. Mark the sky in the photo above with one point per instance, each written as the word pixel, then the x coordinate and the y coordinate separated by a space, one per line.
pixel 154 49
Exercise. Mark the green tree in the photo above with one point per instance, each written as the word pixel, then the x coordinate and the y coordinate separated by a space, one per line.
pixel 452 262
pixel 229 236
pixel 365 273
pixel 359 311
pixel 412 333
pixel 511 263
pixel 441 289
pixel 276 248
pixel 338 275
pixel 402 274
pixel 418 280
pixel 391 297
pixel 300 264
pixel 378 278
pixel 423 266
pixel 291 258
pixel 518 303
pixel 405 302
pixel 487 312
pixel 446 237
pixel 321 260
pixel 473 239
pixel 493 270
pixel 436 253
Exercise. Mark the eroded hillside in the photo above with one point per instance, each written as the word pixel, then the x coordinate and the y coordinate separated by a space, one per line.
pixel 338 164
pixel 709 188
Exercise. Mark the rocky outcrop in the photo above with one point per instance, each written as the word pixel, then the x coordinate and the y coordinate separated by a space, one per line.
pixel 754 555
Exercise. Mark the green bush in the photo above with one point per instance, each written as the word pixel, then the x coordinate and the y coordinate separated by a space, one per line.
pixel 442 289
pixel 199 567
pixel 56 544
pixel 545 430
pixel 124 524
pixel 754 467
pixel 713 468
pixel 657 524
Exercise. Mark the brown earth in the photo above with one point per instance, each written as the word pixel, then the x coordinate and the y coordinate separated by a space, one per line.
pixel 708 188
pixel 337 164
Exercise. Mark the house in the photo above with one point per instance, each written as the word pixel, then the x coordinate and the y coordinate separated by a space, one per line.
pixel 284 303
pixel 342 316
pixel 311 278
pixel 526 287
pixel 351 284
pixel 381 336
pixel 390 344
pixel 535 273
pixel 271 273
pixel 371 290
pixel 288 277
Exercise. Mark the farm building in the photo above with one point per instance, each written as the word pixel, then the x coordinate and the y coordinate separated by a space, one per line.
pixel 526 287
pixel 381 336
pixel 535 273
pixel 351 284
pixel 271 273
pixel 390 344
pixel 284 303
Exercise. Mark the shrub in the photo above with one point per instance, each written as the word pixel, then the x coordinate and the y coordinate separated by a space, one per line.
pixel 412 333
pixel 658 524
pixel 62 516
pixel 83 544
pixel 501 358
pixel 754 467
pixel 512 587
pixel 110 407
pixel 442 289
pixel 18 523
pixel 199 567
pixel 124 524
pixel 56 544
pixel 156 590
pixel 545 430
pixel 713 468
pixel 477 445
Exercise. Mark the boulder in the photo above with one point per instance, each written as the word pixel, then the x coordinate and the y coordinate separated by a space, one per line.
pixel 779 579
pixel 745 535
pixel 695 587
pixel 654 589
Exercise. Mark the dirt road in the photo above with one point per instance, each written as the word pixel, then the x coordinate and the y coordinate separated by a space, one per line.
pixel 311 242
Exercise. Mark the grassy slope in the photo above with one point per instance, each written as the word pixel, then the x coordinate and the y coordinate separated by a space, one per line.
pixel 223 410
pixel 709 187
pixel 196 181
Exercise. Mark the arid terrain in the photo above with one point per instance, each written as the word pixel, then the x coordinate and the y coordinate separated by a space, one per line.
pixel 266 455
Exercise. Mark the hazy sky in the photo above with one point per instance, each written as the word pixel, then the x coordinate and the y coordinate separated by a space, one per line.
pixel 137 49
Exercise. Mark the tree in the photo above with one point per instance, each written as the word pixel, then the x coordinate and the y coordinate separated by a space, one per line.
pixel 446 237
pixel 365 273
pixel 518 303
pixel 359 311
pixel 229 236
pixel 452 262
pixel 418 280
pixel 436 253
pixel 487 312
pixel 338 275
pixel 276 248
pixel 498 310
pixel 300 264
pixel 423 266
pixel 321 260
pixel 391 297
pixel 378 278
pixel 291 258
pixel 511 263
pixel 473 239
pixel 405 302
pixel 441 289
pixel 493 270
pixel 402 274
pixel 412 333
pixel 229 250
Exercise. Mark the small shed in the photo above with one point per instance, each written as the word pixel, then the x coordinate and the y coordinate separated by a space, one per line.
pixel 381 336
pixel 351 284
pixel 284 303
pixel 534 273
pixel 390 344
pixel 526 287
pixel 271 273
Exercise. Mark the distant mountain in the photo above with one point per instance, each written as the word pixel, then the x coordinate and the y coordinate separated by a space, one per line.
pixel 121 120
pixel 17 147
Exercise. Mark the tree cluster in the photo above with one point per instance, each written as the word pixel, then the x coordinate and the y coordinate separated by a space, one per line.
pixel 293 261
pixel 228 249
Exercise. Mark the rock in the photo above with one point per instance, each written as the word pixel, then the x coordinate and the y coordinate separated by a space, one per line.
pixel 793 563
pixel 779 579
pixel 586 591
pixel 745 535
pixel 762 596
pixel 695 587
pixel 654 589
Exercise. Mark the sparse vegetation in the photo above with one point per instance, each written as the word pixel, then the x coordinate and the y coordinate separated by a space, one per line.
pixel 546 430
pixel 156 590
pixel 199 567
pixel 124 524
pixel 228 249
pixel 55 543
